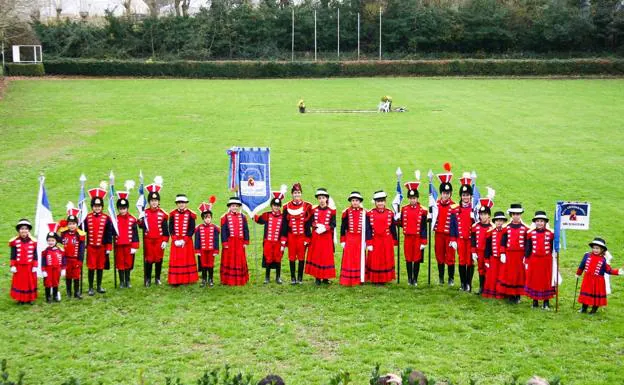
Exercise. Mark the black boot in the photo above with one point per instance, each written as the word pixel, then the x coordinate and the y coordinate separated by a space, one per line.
pixel 210 276
pixel 122 278
pixel 469 277
pixel 546 305
pixel 451 274
pixel 203 281
pixel 47 294
pixel 481 284
pixel 100 274
pixel 535 304
pixel 441 273
pixel 593 310
pixel 147 280
pixel 317 282
pixel 77 293
pixel 416 271
pixel 278 274
pixel 158 271
pixel 583 309
pixel 410 274
pixel 68 287
pixel 128 285
pixel 267 275
pixel 91 275
pixel 300 272
pixel 462 277
pixel 293 280
pixel 55 296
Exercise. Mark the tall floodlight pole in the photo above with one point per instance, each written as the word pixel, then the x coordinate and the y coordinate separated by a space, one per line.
pixel 358 37
pixel 379 33
pixel 292 40
pixel 338 29
pixel 315 35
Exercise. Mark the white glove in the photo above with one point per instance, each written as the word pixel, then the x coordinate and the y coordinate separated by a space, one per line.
pixel 107 252
pixel 44 274
pixel 422 247
pixel 142 215
pixel 282 249
pixel 369 248
pixel 487 265
pixel 306 243
pixel 133 251
pixel 179 243
pixel 453 244
pixel 578 275
pixel 621 272
pixel 182 242
pixel 320 228
pixel 13 269
pixel 163 245
pixel 34 270
pixel 244 246
pixel 342 244
pixel 503 258
pixel 526 266
pixel 63 273
pixel 475 257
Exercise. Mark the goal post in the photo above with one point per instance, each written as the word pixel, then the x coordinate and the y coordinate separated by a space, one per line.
pixel 27 54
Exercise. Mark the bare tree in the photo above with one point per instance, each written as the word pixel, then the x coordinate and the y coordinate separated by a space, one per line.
pixel 127 4
pixel 185 7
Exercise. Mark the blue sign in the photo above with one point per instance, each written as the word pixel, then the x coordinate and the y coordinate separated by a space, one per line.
pixel 250 170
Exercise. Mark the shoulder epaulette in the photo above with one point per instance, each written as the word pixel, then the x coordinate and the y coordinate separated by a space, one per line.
pixel 454 205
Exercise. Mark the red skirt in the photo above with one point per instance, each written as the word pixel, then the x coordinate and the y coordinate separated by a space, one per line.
pixel 411 249
pixel 512 275
pixel 96 257
pixel 491 278
pixel 152 251
pixel 593 290
pixel 207 258
pixel 444 253
pixel 72 270
pixel 539 278
pixel 296 247
pixel 350 269
pixel 123 259
pixel 182 265
pixel 54 276
pixel 24 284
pixel 320 263
pixel 272 251
pixel 380 261
pixel 233 269
pixel 464 253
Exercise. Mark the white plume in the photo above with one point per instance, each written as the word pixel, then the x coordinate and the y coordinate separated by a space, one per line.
pixel 69 205
pixel 466 174
pixel 129 185
pixel 158 180
pixel 331 204
pixel 490 192
pixel 417 174
pixel 283 189
pixel 103 185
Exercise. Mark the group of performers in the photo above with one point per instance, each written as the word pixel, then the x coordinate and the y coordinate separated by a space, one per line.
pixel 511 258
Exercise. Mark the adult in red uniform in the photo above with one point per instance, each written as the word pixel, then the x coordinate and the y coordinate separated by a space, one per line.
pixel 512 275
pixel 207 243
pixel 414 223
pixel 99 229
pixel 539 262
pixel 321 225
pixel 73 240
pixel 493 250
pixel 478 242
pixel 380 258
pixel 461 226
pixel 234 239
pixel 52 265
pixel 593 267
pixel 444 241
pixel 354 232
pixel 296 214
pixel 23 264
pixel 182 266
pixel 274 239
pixel 154 222
pixel 127 242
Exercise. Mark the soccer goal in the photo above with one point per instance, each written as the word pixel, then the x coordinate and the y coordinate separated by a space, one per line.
pixel 27 54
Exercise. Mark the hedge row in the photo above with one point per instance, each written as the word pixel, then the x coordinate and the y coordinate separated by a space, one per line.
pixel 25 69
pixel 257 69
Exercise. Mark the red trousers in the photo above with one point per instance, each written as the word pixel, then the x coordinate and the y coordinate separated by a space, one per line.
pixel 207 258
pixel 464 252
pixel 152 251
pixel 123 259
pixel 272 251
pixel 411 248
pixel 296 247
pixel 72 270
pixel 54 276
pixel 96 257
pixel 444 253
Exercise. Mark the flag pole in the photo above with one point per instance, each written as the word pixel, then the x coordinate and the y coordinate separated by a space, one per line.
pixel 430 225
pixel 82 179
pixel 111 177
pixel 363 247
pixel 141 191
pixel 399 173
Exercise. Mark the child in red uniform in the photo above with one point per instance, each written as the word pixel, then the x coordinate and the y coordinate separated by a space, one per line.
pixel 444 242
pixel 52 265
pixel 512 276
pixel 461 226
pixel 182 266
pixel 595 265
pixel 73 240
pixel 321 225
pixel 354 232
pixel 207 243
pixel 274 240
pixel 154 222
pixel 127 242
pixel 380 258
pixel 296 214
pixel 99 229
pixel 539 261
pixel 413 220
pixel 493 250
pixel 23 264
pixel 234 240
pixel 478 240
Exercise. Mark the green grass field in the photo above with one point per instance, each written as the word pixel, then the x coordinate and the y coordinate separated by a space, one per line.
pixel 534 141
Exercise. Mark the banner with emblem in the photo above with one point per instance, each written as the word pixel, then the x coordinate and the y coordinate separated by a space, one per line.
pixel 250 175
pixel 574 215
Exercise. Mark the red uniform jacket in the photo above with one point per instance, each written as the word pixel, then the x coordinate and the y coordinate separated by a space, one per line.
pixel 73 243
pixel 295 217
pixel 99 229
pixel 154 224
pixel 414 221
pixel 181 224
pixel 494 247
pixel 461 221
pixel 128 231
pixel 479 236
pixel 352 223
pixel 539 243
pixel 23 251
pixel 322 216
pixel 514 237
pixel 52 257
pixel 273 226
pixel 382 222
pixel 207 238
pixel 443 221
pixel 234 225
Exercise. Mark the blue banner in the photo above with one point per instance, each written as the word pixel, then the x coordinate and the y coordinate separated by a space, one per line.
pixel 253 177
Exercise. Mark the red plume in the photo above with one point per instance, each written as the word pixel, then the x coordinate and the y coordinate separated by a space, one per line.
pixel 447 166
pixel 212 199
